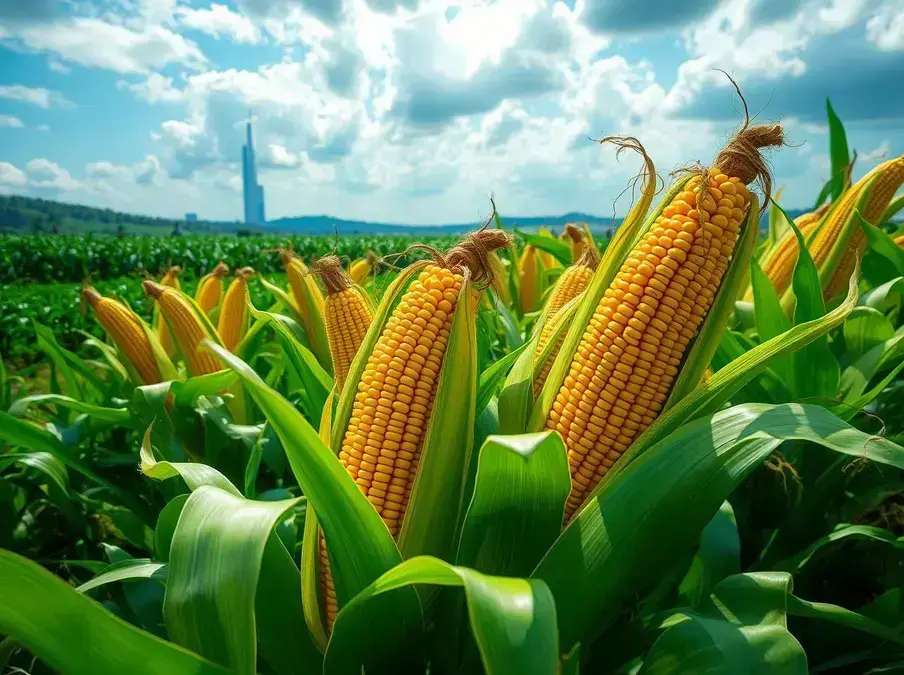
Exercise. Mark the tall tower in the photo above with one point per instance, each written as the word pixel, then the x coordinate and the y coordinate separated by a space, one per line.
pixel 252 191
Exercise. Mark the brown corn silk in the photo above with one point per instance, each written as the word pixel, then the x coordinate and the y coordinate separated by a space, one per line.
pixel 780 262
pixel 382 444
pixel 127 332
pixel 171 280
pixel 630 352
pixel 232 322
pixel 210 288
pixel 347 315
pixel 890 177
pixel 186 327
pixel 571 284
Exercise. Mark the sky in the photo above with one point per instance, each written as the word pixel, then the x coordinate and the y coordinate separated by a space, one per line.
pixel 417 111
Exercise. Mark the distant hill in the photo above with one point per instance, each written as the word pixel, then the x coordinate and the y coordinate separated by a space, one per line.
pixel 28 214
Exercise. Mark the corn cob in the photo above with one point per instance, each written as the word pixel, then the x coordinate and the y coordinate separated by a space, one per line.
pixel 210 288
pixel 890 177
pixel 127 332
pixel 233 320
pixel 529 279
pixel 629 354
pixel 899 240
pixel 382 444
pixel 547 260
pixel 359 270
pixel 348 315
pixel 780 263
pixel 571 284
pixel 171 280
pixel 576 236
pixel 187 328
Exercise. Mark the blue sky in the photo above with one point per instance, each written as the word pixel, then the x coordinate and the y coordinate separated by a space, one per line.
pixel 415 111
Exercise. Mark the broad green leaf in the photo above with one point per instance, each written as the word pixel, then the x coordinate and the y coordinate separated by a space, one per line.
pixel 864 329
pixel 195 474
pixel 126 570
pixel 492 377
pixel 512 620
pixel 120 416
pixel 509 323
pixel 884 297
pixel 559 249
pixel 857 376
pixel 77 636
pixel 838 151
pixel 214 567
pixel 816 372
pixel 166 527
pixel 841 533
pixel 44 462
pixel 880 242
pixel 771 320
pixel 742 627
pixel 517 505
pixel 359 545
pixel 718 556
pixel 627 534
pixel 69 366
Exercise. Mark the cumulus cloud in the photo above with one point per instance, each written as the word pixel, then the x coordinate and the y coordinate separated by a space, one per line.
pixel 156 88
pixel 886 28
pixel 149 171
pixel 96 43
pixel 10 121
pixel 48 175
pixel 11 176
pixel 43 98
pixel 280 157
pixel 220 21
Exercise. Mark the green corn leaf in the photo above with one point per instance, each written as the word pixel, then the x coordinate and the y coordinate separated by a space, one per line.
pixel 880 242
pixel 518 501
pixel 119 416
pixel 513 620
pixel 77 636
pixel 627 535
pixel 838 151
pixel 195 474
pixel 559 249
pixel 864 329
pixel 718 556
pixel 127 570
pixel 771 320
pixel 841 533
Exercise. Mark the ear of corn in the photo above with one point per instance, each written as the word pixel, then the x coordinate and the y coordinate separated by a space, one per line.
pixel 309 306
pixel 348 315
pixel 573 282
pixel 210 288
pixel 232 324
pixel 189 325
pixel 403 457
pixel 529 279
pixel 841 241
pixel 630 350
pixel 130 334
pixel 361 269
pixel 899 240
pixel 547 259
pixel 171 280
pixel 778 263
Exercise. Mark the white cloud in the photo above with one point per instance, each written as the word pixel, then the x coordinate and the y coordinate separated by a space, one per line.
pixel 156 88
pixel 43 173
pixel 886 28
pixel 10 121
pixel 877 154
pixel 43 98
pixel 11 176
pixel 148 172
pixel 96 43
pixel 281 157
pixel 219 21
pixel 105 170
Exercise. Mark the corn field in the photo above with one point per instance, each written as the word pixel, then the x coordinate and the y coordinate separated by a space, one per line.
pixel 675 451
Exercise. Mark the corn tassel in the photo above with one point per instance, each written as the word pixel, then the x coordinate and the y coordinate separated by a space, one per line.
pixel 128 333
pixel 529 279
pixel 630 353
pixel 361 269
pixel 780 262
pixel 888 178
pixel 382 444
pixel 171 280
pixel 571 284
pixel 348 315
pixel 188 328
pixel 232 323
pixel 210 288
